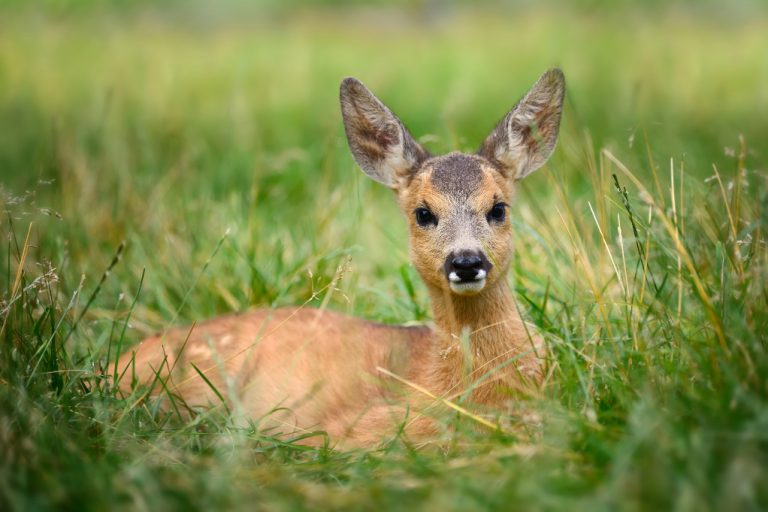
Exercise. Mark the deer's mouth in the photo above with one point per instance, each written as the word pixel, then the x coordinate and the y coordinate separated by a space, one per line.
pixel 466 271
pixel 463 284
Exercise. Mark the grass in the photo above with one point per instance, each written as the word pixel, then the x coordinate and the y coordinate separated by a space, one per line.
pixel 160 166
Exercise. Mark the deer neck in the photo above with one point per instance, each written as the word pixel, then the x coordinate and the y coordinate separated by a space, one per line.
pixel 476 335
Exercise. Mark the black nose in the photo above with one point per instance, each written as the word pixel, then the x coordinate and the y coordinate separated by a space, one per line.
pixel 465 266
pixel 471 262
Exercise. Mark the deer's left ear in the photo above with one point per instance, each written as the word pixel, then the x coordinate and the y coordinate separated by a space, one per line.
pixel 523 141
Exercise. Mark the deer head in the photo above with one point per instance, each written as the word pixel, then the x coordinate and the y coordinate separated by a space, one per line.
pixel 457 204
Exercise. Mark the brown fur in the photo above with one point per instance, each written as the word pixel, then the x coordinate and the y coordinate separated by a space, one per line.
pixel 297 370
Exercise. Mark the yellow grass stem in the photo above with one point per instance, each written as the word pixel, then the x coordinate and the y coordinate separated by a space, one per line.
pixel 671 230
pixel 608 250
pixel 673 198
pixel 589 274
pixel 19 273
pixel 444 401
pixel 732 224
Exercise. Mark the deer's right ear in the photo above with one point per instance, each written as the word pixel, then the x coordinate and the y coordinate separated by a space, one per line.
pixel 381 145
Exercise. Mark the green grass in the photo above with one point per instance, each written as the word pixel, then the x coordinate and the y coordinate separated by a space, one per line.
pixel 206 150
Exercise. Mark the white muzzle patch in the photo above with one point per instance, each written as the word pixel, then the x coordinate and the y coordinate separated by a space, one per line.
pixel 460 287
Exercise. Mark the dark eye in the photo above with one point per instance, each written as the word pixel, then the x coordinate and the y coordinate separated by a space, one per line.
pixel 425 218
pixel 497 213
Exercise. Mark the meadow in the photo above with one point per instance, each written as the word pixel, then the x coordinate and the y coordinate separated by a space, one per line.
pixel 164 164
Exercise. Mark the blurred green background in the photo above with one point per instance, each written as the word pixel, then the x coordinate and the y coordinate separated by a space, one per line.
pixel 188 118
pixel 207 137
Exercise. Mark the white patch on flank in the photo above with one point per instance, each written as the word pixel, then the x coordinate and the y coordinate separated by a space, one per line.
pixel 198 350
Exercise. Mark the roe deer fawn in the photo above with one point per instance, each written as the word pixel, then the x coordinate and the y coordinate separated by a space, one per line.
pixel 300 369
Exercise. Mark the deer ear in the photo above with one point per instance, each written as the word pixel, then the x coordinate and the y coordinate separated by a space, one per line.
pixel 381 145
pixel 525 138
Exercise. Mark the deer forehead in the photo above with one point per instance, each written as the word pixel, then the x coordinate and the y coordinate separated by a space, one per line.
pixel 456 175
pixel 456 182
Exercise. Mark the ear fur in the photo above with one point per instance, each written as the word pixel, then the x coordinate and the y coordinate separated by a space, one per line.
pixel 381 145
pixel 523 141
